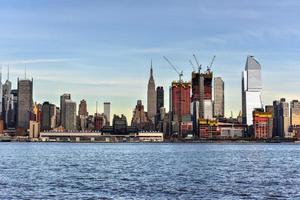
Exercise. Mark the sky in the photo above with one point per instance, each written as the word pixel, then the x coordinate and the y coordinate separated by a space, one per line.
pixel 101 50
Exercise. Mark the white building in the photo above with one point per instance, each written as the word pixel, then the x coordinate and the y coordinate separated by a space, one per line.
pixel 218 97
pixel 107 112
pixel 251 89
pixel 208 109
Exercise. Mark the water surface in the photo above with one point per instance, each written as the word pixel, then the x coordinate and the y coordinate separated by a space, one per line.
pixel 149 171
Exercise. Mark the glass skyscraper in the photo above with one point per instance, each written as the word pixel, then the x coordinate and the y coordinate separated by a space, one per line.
pixel 251 89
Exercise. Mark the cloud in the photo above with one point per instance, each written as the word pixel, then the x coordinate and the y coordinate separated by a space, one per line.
pixel 35 61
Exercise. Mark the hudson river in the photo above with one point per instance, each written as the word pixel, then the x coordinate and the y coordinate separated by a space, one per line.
pixel 149 171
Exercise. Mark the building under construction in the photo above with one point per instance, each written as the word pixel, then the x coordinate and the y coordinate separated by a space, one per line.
pixel 180 104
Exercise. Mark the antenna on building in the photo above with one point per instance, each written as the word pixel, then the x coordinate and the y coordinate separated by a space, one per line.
pixel 8 72
pixel 25 70
pixel 96 107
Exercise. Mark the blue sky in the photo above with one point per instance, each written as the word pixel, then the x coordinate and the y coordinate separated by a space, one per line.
pixel 101 50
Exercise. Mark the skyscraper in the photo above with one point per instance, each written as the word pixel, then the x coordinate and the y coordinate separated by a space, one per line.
pixel 140 119
pixel 63 98
pixel 159 98
pixel 281 119
pixel 251 89
pixel 46 118
pixel 7 100
pixel 284 117
pixel 83 108
pixel 159 104
pixel 262 124
pixel 197 98
pixel 180 104
pixel 13 112
pixel 151 97
pixel 295 113
pixel 107 112
pixel 276 116
pixel 218 97
pixel 70 114
pixel 24 103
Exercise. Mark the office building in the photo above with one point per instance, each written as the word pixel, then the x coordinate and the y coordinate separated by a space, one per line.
pixel 70 114
pixel 218 97
pixel 180 101
pixel 63 98
pixel 140 119
pixel 25 103
pixel 295 113
pixel 159 103
pixel 262 124
pixel 34 129
pixel 107 112
pixel 281 119
pixel 7 101
pixel 159 98
pixel 82 111
pixel 151 97
pixel 46 118
pixel 251 89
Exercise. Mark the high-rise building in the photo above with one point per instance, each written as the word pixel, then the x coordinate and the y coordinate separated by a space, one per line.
pixel 58 117
pixel 34 129
pixel 99 121
pixel 208 109
pixel 63 98
pixel 284 117
pixel 46 118
pixel 295 113
pixel 159 98
pixel 140 119
pixel 25 103
pixel 70 114
pixel 281 119
pixel 251 89
pixel 180 101
pixel 151 97
pixel 7 100
pixel 159 103
pixel 52 116
pixel 262 124
pixel 83 108
pixel 270 109
pixel 218 97
pixel 13 112
pixel 37 112
pixel 276 121
pixel 107 112
pixel 197 99
pixel 48 121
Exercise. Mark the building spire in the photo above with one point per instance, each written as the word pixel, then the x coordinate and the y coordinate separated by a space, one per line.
pixel 151 71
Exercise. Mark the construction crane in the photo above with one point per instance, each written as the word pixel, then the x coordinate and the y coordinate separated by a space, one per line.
pixel 211 63
pixel 192 65
pixel 180 74
pixel 199 66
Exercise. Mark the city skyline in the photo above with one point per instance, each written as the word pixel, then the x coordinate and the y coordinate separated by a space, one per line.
pixel 107 65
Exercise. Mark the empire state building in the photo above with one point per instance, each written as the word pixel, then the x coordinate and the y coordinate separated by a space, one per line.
pixel 151 97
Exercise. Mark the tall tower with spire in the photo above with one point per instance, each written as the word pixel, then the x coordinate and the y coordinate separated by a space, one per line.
pixel 151 97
